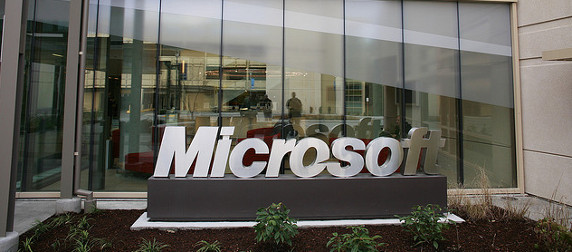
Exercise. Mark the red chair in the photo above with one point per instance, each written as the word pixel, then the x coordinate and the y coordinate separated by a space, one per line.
pixel 267 135
pixel 143 161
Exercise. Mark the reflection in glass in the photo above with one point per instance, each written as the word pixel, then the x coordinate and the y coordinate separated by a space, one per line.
pixel 93 152
pixel 373 68
pixel 252 68
pixel 119 92
pixel 486 74
pixel 431 79
pixel 326 69
pixel 42 109
pixel 189 66
pixel 314 84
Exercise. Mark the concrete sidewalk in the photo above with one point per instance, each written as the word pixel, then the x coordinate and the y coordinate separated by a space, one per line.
pixel 29 211
pixel 538 208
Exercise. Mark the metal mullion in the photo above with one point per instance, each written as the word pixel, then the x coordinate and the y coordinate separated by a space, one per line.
pixel 28 94
pixel 283 72
pixel 403 107
pixel 13 46
pixel 344 110
pixel 220 69
pixel 91 155
pixel 519 155
pixel 70 99
pixel 460 149
pixel 157 88
pixel 283 79
pixel 80 92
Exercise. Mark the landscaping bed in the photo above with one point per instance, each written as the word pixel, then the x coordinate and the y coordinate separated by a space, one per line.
pixel 110 229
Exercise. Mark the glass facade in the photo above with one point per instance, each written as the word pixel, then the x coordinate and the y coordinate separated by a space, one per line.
pixel 488 121
pixel 273 69
pixel 42 110
pixel 432 83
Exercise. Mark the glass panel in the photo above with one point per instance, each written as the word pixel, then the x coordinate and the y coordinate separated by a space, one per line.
pixel 252 69
pixel 42 110
pixel 96 122
pixel 314 84
pixel 373 68
pixel 431 80
pixel 189 62
pixel 120 91
pixel 486 77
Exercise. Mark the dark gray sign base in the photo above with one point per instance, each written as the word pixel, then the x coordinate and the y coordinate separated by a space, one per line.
pixel 322 197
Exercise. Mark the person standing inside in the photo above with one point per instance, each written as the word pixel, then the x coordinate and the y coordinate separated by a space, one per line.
pixel 294 106
pixel 266 106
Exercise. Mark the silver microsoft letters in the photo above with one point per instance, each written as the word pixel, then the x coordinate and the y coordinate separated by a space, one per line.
pixel 203 144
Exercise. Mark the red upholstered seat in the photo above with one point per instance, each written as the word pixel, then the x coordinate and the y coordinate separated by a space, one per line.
pixel 267 135
pixel 139 162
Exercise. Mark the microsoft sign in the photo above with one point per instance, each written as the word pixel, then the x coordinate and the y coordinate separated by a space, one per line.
pixel 324 189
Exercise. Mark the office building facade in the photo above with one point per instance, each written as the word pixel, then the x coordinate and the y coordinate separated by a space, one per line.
pixel 286 69
pixel 321 68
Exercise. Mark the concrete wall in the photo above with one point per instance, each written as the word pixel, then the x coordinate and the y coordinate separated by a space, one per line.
pixel 546 98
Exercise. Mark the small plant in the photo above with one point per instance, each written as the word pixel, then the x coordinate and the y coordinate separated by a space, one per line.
pixel 61 220
pixel 205 246
pixel 83 242
pixel 83 223
pixel 553 236
pixel 94 210
pixel 273 224
pixel 556 210
pixel 27 244
pixel 424 224
pixel 476 207
pixel 82 246
pixel 40 228
pixel 151 246
pixel 78 229
pixel 357 240
pixel 79 236
pixel 516 211
pixel 56 246
pixel 73 233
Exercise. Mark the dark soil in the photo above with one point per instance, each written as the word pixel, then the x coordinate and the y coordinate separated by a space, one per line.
pixel 113 227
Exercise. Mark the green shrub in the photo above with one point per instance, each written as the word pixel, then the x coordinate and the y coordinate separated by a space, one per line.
pixel 208 247
pixel 273 224
pixel 424 224
pixel 553 236
pixel 357 240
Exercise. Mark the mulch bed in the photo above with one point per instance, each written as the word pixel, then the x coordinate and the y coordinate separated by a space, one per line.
pixel 113 226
